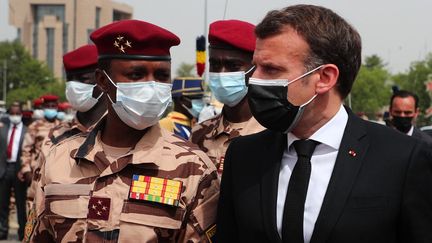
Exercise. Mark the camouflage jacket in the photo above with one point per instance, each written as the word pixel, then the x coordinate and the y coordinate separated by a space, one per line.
pixel 32 144
pixel 214 135
pixel 78 177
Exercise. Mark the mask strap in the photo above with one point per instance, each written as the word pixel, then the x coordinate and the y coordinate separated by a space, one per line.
pixel 309 101
pixel 109 78
pixel 305 74
pixel 248 71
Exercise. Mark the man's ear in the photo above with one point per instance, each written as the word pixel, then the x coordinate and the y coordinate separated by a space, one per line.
pixel 329 75
pixel 101 80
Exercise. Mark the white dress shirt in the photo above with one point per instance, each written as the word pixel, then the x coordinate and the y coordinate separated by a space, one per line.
pixel 411 131
pixel 322 161
pixel 16 141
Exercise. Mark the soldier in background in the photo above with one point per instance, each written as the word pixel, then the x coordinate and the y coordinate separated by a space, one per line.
pixel 38 112
pixel 128 180
pixel 37 132
pixel 187 95
pixel 232 43
pixel 82 93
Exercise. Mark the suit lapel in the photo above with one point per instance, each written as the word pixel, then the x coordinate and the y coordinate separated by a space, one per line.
pixel 271 156
pixel 351 153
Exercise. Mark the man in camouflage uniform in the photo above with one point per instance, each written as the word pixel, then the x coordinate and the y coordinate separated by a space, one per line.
pixel 36 133
pixel 128 180
pixel 81 92
pixel 232 43
pixel 187 94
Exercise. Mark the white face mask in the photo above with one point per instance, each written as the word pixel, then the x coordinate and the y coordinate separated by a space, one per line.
pixel 38 114
pixel 80 96
pixel 15 119
pixel 141 104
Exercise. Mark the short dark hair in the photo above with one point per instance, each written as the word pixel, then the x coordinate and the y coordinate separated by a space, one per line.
pixel 404 94
pixel 330 38
pixel 14 104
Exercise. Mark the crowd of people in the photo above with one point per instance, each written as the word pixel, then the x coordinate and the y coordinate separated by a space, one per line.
pixel 283 161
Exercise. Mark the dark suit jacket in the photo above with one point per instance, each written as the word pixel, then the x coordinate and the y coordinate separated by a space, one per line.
pixel 3 146
pixel 417 133
pixel 383 194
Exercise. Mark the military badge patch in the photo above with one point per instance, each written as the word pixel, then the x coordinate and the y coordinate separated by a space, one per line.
pixel 154 189
pixel 221 165
pixel 211 232
pixel 99 208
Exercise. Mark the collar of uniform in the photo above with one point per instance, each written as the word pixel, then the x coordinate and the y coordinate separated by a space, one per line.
pixel 223 126
pixel 75 123
pixel 149 147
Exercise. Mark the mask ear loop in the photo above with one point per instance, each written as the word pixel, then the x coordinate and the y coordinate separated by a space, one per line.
pixel 109 78
pixel 304 75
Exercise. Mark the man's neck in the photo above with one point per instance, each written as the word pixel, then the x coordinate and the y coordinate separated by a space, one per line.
pixel 317 116
pixel 118 134
pixel 90 117
pixel 238 113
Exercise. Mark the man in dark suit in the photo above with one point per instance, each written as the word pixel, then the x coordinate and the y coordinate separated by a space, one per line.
pixel 319 173
pixel 404 111
pixel 12 133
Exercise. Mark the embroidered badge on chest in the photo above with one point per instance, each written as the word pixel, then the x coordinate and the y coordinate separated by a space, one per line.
pixel 99 208
pixel 154 189
pixel 221 165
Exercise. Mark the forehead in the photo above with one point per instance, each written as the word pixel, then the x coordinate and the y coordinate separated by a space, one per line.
pixel 402 103
pixel 288 44
pixel 219 53
pixel 118 65
pixel 14 109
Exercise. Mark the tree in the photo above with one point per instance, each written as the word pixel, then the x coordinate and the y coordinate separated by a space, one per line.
pixel 27 78
pixel 186 70
pixel 371 90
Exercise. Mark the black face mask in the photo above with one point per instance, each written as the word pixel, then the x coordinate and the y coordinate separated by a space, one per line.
pixel 402 124
pixel 269 105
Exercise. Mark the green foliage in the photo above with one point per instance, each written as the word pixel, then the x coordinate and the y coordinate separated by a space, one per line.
pixel 27 78
pixel 371 90
pixel 186 70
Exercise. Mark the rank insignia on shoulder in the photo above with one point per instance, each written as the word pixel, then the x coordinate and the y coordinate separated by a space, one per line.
pixel 99 208
pixel 154 189
pixel 210 233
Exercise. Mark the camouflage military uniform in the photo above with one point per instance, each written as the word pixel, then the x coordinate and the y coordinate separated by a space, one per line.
pixel 214 135
pixel 78 176
pixel 32 146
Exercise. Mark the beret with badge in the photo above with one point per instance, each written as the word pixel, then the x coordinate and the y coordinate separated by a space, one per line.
pixel 134 39
pixel 81 60
pixel 234 34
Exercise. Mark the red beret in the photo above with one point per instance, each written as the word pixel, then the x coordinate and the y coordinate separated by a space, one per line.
pixel 235 33
pixel 27 114
pixel 49 97
pixel 81 59
pixel 37 102
pixel 134 39
pixel 63 106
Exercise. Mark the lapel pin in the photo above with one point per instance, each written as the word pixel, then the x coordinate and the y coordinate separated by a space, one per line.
pixel 352 153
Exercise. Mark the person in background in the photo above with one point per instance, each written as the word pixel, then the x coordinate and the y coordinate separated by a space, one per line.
pixel 38 112
pixel 232 44
pixel 12 132
pixel 319 173
pixel 37 132
pixel 404 111
pixel 187 95
pixel 128 180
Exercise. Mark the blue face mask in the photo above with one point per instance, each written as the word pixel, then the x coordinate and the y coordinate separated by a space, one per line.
pixel 50 113
pixel 197 106
pixel 229 87
pixel 61 115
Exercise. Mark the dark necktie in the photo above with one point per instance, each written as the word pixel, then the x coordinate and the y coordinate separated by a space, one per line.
pixel 292 224
pixel 10 144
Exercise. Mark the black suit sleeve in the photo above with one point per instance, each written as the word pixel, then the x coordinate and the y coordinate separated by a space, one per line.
pixel 416 208
pixel 226 223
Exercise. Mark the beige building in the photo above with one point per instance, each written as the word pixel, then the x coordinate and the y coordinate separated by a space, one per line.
pixel 50 28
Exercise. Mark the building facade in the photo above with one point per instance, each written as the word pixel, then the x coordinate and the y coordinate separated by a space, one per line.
pixel 50 28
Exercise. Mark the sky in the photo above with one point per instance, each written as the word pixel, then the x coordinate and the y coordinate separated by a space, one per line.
pixel 398 31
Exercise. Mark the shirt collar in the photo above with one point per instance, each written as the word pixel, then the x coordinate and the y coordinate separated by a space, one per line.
pixel 330 133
